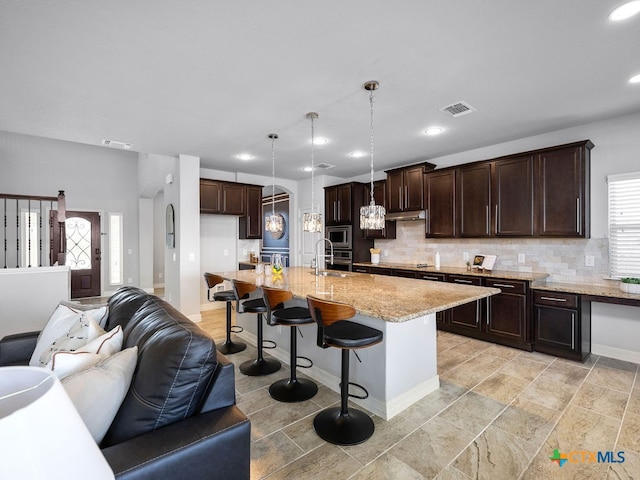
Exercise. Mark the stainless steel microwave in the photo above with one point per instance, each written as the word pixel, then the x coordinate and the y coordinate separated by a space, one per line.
pixel 340 236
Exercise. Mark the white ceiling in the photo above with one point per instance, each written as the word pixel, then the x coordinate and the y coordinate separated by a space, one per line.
pixel 213 78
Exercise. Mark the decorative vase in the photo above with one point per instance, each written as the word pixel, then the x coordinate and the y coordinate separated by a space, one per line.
pixel 375 258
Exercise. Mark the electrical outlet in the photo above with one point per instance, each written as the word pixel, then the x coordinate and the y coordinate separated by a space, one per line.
pixel 465 256
pixel 589 261
pixel 521 258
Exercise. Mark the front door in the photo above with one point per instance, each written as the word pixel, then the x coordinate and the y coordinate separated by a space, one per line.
pixel 82 252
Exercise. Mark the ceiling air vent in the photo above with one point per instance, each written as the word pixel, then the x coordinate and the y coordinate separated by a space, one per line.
pixel 458 109
pixel 324 166
pixel 115 144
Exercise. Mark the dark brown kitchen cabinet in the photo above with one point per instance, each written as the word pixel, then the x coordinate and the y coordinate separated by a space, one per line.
pixel 250 226
pixel 210 196
pixel 360 269
pixel 562 180
pixel 379 194
pixel 405 188
pixel 441 316
pixel 473 199
pixel 562 324
pixel 469 315
pixel 439 194
pixel 508 311
pixel 337 206
pixel 233 198
pixel 512 196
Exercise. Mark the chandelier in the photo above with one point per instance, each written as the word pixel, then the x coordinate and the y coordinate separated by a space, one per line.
pixel 372 215
pixel 273 223
pixel 312 222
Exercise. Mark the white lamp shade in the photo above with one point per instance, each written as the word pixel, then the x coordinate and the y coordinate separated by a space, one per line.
pixel 41 433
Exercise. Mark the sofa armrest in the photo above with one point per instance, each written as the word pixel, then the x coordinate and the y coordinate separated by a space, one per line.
pixel 212 445
pixel 222 389
pixel 17 349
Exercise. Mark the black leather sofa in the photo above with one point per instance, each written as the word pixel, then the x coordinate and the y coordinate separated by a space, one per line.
pixel 179 419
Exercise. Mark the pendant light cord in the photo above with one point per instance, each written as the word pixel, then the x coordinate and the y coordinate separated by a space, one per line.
pixel 273 137
pixel 371 130
pixel 313 188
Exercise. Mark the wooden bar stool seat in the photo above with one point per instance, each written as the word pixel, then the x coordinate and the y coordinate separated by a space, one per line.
pixel 292 389
pixel 229 346
pixel 341 425
pixel 259 366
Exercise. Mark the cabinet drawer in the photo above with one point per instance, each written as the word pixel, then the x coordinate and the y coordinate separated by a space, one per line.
pixel 556 299
pixel 380 270
pixel 435 277
pixel 465 280
pixel 404 273
pixel 507 286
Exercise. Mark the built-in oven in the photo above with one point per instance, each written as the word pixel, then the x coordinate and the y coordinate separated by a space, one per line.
pixel 340 236
pixel 342 260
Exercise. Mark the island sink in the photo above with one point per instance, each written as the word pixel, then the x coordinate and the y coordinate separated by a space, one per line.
pixel 332 273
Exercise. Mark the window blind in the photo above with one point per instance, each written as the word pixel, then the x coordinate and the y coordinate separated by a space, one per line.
pixel 624 225
pixel 115 249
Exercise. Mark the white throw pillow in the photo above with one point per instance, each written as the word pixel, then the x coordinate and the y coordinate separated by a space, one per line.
pixel 65 363
pixel 60 322
pixel 82 332
pixel 98 312
pixel 98 391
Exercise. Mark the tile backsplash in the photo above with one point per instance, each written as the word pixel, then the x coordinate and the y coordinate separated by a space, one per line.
pixel 562 259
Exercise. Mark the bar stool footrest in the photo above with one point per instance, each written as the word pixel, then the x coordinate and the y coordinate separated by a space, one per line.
pixel 306 359
pixel 236 329
pixel 269 344
pixel 357 385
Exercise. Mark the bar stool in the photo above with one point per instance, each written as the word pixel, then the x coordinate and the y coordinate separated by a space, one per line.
pixel 290 389
pixel 339 425
pixel 228 296
pixel 259 366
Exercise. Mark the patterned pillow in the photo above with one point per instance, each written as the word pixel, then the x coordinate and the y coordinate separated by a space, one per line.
pixel 60 322
pixel 82 332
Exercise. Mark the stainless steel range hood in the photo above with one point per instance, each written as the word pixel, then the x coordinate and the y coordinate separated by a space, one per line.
pixel 403 216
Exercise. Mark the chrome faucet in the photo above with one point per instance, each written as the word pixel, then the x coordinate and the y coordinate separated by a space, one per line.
pixel 319 256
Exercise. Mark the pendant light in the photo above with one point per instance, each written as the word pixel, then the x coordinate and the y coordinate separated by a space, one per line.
pixel 372 215
pixel 312 222
pixel 273 222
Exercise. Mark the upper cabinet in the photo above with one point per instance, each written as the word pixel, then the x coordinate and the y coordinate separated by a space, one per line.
pixel 544 193
pixel 380 196
pixel 250 226
pixel 562 179
pixel 210 196
pixel 512 197
pixel 405 188
pixel 473 200
pixel 337 204
pixel 233 198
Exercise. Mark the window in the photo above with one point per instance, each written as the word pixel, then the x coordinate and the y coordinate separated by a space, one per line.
pixel 624 225
pixel 116 273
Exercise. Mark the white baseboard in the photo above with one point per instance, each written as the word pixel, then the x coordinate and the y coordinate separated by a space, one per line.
pixel 617 353
pixel 386 411
pixel 195 318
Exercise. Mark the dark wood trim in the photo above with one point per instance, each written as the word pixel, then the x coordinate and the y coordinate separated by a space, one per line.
pixel 632 302
pixel 28 197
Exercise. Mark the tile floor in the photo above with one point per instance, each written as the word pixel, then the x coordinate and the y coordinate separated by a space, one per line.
pixel 500 414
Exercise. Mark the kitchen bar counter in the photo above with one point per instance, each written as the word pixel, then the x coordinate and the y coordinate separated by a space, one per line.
pixel 592 292
pixel 391 299
pixel 506 274
pixel 397 372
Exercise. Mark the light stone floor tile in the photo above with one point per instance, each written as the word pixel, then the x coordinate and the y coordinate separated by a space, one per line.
pixel 617 364
pixel 464 377
pixel 588 363
pixel 387 467
pixel 495 455
pixel 528 420
pixel 537 357
pixel 302 434
pixel 548 393
pixel 430 448
pixel 611 378
pixel 450 359
pixel 473 347
pixel 566 373
pixel 452 473
pixel 501 387
pixel 630 433
pixel 327 461
pixel 634 402
pixel 429 406
pixel 485 363
pixel 255 400
pixel 601 400
pixel 270 419
pixel 271 453
pixel 502 352
pixel 524 368
pixel 472 412
pixel 627 470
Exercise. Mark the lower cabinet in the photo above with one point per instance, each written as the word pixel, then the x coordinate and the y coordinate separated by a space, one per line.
pixel 562 324
pixel 469 315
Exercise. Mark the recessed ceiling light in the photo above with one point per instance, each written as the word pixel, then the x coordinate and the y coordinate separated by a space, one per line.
pixel 320 141
pixel 357 154
pixel 635 79
pixel 307 169
pixel 625 11
pixel 245 156
pixel 434 130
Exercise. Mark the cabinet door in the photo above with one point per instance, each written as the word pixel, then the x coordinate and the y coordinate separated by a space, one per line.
pixel 469 315
pixel 513 196
pixel 233 198
pixel 344 203
pixel 556 327
pixel 250 226
pixel 209 196
pixel 331 205
pixel 440 204
pixel 380 196
pixel 395 191
pixel 507 316
pixel 413 188
pixel 441 316
pixel 473 195
pixel 562 183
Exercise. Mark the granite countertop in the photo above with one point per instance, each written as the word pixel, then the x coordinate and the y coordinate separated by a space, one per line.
pixel 591 289
pixel 506 274
pixel 392 299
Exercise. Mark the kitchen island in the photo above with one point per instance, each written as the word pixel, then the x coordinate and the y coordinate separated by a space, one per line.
pixel 397 372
